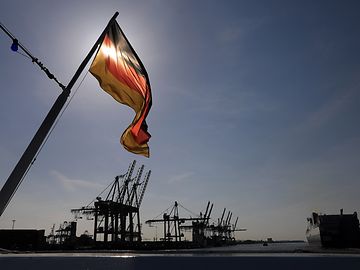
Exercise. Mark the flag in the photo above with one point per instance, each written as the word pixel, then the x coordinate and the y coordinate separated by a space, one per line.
pixel 122 75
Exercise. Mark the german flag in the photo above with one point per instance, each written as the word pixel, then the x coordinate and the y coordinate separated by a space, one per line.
pixel 122 75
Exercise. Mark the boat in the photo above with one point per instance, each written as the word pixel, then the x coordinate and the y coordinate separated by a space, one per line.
pixel 338 231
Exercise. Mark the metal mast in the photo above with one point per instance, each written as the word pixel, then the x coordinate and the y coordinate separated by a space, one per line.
pixel 17 175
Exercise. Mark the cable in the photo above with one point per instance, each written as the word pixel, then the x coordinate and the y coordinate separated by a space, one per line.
pixel 52 77
pixel 188 210
pixel 163 212
pixel 18 44
pixel 23 54
pixel 48 135
pixel 58 119
pixel 101 193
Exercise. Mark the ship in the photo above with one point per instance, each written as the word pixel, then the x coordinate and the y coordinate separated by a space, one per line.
pixel 333 231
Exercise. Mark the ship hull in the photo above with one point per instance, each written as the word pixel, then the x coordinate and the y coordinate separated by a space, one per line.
pixel 339 231
pixel 334 231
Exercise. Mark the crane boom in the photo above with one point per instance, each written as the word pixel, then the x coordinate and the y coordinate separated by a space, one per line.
pixel 134 188
pixel 236 222
pixel 125 187
pixel 227 218
pixel 222 217
pixel 147 176
pixel 208 217
pixel 207 208
pixel 228 223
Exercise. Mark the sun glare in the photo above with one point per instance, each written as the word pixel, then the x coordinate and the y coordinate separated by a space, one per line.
pixel 109 52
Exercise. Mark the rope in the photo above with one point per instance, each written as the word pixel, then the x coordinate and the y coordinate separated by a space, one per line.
pixel 23 54
pixel 61 114
pixel 51 76
pixel 29 54
pixel 51 130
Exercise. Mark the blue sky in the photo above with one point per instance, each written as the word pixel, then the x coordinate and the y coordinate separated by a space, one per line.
pixel 255 107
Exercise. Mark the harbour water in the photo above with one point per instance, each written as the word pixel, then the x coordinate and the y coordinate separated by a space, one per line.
pixel 252 256
pixel 287 247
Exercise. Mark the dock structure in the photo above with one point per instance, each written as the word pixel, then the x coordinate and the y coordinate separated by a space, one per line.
pixel 64 235
pixel 203 234
pixel 117 226
pixel 117 217
pixel 172 224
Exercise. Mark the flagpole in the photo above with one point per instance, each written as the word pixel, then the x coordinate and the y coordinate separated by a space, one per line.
pixel 92 51
pixel 18 173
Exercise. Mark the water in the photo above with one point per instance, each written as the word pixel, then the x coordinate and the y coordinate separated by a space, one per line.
pixel 252 256
pixel 260 248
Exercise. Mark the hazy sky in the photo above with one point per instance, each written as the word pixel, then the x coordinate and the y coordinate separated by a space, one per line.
pixel 255 107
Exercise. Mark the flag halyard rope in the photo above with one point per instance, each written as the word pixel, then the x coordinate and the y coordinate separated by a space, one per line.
pixel 52 129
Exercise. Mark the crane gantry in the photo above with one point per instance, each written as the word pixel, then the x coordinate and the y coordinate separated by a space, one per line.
pixel 117 218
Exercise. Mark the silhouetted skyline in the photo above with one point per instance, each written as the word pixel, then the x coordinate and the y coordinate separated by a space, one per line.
pixel 255 107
